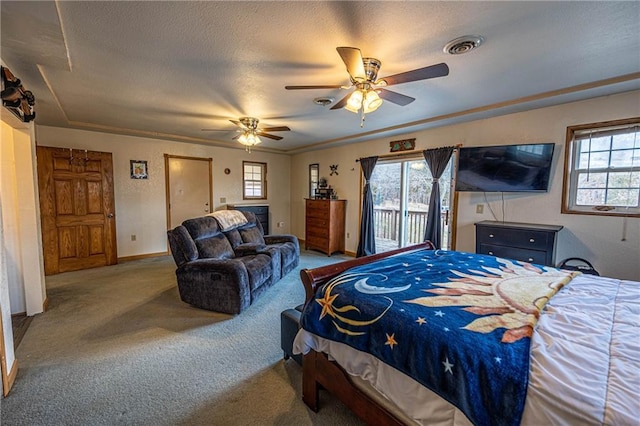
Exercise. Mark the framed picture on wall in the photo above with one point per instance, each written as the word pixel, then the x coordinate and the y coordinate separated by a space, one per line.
pixel 139 169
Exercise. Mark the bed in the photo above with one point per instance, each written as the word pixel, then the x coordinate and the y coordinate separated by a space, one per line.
pixel 568 354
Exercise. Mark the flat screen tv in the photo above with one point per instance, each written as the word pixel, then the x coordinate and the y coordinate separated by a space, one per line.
pixel 505 168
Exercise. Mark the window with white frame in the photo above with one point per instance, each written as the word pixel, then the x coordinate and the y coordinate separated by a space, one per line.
pixel 602 169
pixel 254 181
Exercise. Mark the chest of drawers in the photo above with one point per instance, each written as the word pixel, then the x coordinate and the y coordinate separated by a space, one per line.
pixel 526 242
pixel 324 225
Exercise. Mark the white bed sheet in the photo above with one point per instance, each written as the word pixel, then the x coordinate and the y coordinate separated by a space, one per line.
pixel 585 362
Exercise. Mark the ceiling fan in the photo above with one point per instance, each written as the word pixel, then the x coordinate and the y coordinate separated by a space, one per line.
pixel 369 90
pixel 250 133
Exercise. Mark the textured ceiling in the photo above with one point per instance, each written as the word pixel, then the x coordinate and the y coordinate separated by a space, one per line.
pixel 171 69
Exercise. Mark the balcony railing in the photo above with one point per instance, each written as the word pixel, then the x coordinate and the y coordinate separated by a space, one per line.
pixel 386 224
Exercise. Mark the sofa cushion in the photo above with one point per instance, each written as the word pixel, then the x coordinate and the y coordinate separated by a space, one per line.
pixel 288 253
pixel 251 234
pixel 201 227
pixel 216 246
pixel 234 237
pixel 258 268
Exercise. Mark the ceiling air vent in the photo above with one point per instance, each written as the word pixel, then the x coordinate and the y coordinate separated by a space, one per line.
pixel 323 101
pixel 463 44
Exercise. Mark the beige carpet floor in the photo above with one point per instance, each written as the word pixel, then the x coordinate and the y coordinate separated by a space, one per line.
pixel 118 347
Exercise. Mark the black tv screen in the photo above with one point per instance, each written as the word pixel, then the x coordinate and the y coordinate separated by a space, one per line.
pixel 505 168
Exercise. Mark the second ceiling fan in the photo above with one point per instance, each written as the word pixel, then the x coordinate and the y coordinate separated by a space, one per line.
pixel 250 133
pixel 369 90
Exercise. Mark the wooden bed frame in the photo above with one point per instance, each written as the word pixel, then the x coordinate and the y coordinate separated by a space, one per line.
pixel 318 371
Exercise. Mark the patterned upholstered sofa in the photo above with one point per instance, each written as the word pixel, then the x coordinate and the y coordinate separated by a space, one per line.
pixel 225 267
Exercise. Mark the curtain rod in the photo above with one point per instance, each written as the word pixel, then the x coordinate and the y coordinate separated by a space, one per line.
pixel 406 154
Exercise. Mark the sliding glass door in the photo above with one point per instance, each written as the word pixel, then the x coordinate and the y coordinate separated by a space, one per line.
pixel 401 191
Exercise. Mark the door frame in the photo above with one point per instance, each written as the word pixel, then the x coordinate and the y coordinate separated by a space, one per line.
pixel 167 183
pixel 408 156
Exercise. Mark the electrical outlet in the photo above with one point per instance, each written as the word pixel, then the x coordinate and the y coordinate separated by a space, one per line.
pixel 480 208
pixel 223 200
pixel 280 224
pixel 133 237
pixel 348 235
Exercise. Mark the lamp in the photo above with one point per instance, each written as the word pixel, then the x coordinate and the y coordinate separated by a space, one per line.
pixel 364 99
pixel 249 138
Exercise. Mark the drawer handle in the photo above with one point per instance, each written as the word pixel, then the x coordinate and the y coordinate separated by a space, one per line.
pixel 491 253
pixel 490 235
pixel 532 240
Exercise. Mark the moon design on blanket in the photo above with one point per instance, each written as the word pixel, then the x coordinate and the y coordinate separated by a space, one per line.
pixel 347 315
pixel 362 286
pixel 510 297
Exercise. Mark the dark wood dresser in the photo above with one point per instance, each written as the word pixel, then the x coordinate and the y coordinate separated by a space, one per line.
pixel 324 225
pixel 260 210
pixel 526 242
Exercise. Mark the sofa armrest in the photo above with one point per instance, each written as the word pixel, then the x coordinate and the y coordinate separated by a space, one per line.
pixel 248 249
pixel 230 268
pixel 281 238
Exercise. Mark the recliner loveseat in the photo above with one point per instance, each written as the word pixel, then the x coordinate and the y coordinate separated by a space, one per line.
pixel 225 268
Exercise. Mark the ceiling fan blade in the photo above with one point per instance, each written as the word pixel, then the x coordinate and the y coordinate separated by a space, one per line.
pixel 342 102
pixel 266 135
pixel 237 123
pixel 352 58
pixel 433 71
pixel 395 97
pixel 275 129
pixel 217 130
pixel 326 86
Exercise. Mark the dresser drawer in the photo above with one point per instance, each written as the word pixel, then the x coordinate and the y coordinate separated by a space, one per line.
pixel 318 232
pixel 320 242
pixel 514 237
pixel 317 222
pixel 524 255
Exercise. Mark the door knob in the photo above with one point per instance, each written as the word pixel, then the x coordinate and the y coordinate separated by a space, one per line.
pixel 110 215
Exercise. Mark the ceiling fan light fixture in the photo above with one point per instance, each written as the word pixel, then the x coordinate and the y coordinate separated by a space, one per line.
pixel 249 138
pixel 355 101
pixel 371 101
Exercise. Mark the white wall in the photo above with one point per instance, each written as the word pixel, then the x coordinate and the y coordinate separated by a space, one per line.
pixel 140 204
pixel 21 213
pixel 612 244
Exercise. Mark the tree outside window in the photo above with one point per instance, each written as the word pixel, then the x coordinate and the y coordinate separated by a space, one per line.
pixel 602 169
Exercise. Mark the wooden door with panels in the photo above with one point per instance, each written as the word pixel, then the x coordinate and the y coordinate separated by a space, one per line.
pixel 77 209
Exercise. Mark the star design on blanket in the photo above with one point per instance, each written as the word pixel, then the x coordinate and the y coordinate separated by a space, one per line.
pixel 391 340
pixel 509 297
pixel 447 366
pixel 327 304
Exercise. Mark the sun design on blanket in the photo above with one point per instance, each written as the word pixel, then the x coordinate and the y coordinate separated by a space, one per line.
pixel 337 312
pixel 511 296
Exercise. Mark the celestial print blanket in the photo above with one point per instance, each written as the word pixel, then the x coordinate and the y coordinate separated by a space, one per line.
pixel 458 323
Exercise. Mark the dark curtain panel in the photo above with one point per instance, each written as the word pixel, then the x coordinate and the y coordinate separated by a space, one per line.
pixel 437 160
pixel 367 243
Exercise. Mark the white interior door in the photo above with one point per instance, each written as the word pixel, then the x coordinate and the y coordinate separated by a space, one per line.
pixel 189 192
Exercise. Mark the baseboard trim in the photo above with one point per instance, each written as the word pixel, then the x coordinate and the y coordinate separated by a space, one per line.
pixel 45 304
pixel 142 256
pixel 350 253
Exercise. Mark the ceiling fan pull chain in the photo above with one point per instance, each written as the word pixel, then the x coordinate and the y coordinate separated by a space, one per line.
pixel 362 118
